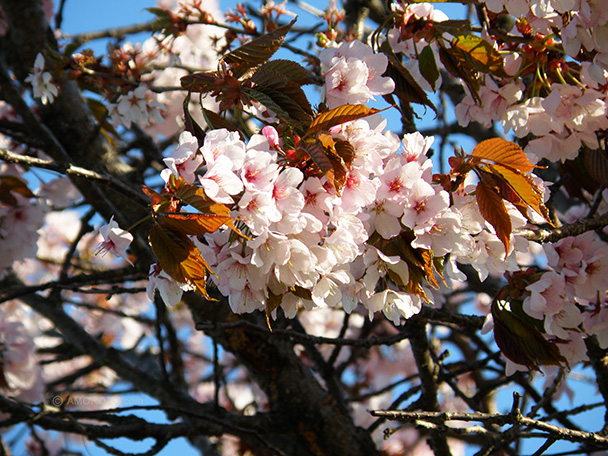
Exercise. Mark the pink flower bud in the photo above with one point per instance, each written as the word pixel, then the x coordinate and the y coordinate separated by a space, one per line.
pixel 272 136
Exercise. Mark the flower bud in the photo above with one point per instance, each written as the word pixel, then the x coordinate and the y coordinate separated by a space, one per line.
pixel 272 136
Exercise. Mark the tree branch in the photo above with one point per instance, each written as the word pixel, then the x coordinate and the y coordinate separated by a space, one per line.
pixel 544 235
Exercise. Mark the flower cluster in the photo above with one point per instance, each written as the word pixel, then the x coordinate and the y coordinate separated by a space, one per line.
pixel 313 245
pixel 544 90
pixel 138 106
pixel 353 74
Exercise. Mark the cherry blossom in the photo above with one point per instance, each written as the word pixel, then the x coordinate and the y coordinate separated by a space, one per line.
pixel 137 106
pixel 170 291
pixel 41 81
pixel 115 240
pixel 353 74
pixel 184 160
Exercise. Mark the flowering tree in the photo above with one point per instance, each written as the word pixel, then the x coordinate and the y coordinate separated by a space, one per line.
pixel 227 220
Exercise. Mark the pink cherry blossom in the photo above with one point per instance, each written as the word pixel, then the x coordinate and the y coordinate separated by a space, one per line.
pixel 170 291
pixel 222 142
pixel 395 305
pixel 353 74
pixel 185 160
pixel 41 81
pixel 219 182
pixel 259 172
pixel 115 240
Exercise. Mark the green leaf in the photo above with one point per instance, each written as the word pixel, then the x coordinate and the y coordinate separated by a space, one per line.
pixel 257 51
pixel 428 66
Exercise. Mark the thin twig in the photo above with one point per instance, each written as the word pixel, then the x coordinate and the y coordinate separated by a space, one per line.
pixel 69 169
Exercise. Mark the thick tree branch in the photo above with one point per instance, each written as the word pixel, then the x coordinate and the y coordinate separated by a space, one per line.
pixel 545 235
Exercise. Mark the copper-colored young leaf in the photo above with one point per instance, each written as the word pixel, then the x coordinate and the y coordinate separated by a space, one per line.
pixel 199 82
pixel 15 184
pixel 416 279
pixel 576 179
pixel 597 165
pixel 493 209
pixel 506 192
pixel 291 70
pixel 284 92
pixel 3 381
pixel 504 153
pixel 156 199
pixel 192 195
pixel 257 51
pixel 428 266
pixel 339 115
pixel 326 140
pixel 178 256
pixel 191 125
pixel 339 173
pixel 267 100
pixel 216 121
pixel 266 78
pixel 407 89
pixel 456 64
pixel 192 224
pixel 521 341
pixel 318 157
pixel 420 263
pixel 345 150
pixel 100 111
pixel 480 53
pixel 523 186
pixel 272 302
